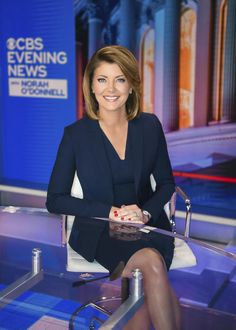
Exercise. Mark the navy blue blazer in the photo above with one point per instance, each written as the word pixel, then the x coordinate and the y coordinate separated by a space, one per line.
pixel 82 150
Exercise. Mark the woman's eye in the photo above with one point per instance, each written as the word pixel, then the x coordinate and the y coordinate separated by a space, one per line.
pixel 101 80
pixel 122 80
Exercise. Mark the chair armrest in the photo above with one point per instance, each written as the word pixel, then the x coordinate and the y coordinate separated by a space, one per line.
pixel 188 207
pixel 64 238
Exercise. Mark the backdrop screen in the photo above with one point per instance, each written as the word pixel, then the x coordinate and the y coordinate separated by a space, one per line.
pixel 37 64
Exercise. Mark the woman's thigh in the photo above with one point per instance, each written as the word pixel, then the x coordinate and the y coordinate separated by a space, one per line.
pixel 110 251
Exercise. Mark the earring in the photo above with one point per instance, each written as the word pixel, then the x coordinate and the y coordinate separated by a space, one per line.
pixel 130 91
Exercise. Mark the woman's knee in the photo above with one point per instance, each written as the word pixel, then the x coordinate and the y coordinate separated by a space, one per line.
pixel 154 262
pixel 148 260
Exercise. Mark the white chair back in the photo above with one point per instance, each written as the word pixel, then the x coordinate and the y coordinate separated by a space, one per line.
pixel 183 255
pixel 75 262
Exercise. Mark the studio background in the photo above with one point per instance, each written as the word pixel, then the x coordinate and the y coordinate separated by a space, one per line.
pixel 186 52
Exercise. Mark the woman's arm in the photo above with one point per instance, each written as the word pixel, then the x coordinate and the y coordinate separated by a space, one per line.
pixel 162 173
pixel 59 199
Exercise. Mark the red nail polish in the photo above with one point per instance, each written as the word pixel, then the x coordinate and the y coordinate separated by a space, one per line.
pixel 116 215
pixel 129 218
pixel 122 218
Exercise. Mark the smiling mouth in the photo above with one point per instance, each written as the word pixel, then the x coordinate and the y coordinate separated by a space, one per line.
pixel 111 98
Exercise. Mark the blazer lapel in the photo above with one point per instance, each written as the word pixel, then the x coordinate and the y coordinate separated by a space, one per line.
pixel 100 159
pixel 136 133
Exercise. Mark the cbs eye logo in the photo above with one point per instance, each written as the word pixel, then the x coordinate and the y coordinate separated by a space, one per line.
pixel 11 44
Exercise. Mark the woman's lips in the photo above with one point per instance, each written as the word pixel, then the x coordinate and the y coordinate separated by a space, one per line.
pixel 111 98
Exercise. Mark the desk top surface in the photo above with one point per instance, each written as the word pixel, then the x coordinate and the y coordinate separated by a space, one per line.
pixel 53 298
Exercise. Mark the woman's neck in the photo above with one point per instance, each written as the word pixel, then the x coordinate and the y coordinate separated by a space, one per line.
pixel 113 119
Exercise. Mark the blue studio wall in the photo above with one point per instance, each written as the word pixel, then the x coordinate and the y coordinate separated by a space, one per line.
pixel 37 79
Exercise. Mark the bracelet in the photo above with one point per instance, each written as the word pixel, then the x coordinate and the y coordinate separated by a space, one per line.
pixel 147 214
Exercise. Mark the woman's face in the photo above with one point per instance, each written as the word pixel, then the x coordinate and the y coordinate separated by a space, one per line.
pixel 110 87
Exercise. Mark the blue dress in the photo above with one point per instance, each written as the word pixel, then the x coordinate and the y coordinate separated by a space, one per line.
pixel 119 242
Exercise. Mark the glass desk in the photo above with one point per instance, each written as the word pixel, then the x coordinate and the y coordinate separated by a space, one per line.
pixel 47 299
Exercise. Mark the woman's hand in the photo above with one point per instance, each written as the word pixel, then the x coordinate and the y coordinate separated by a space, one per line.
pixel 113 213
pixel 128 213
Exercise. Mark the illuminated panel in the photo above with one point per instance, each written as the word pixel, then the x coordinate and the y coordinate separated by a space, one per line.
pixel 187 62
pixel 148 71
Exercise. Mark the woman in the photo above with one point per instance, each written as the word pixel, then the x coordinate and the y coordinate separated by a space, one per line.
pixel 114 150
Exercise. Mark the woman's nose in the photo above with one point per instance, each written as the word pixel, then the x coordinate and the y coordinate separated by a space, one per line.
pixel 111 86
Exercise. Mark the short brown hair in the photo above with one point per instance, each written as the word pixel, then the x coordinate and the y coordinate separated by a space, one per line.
pixel 128 65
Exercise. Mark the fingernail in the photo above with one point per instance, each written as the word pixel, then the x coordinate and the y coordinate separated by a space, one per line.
pixel 116 215
pixel 122 218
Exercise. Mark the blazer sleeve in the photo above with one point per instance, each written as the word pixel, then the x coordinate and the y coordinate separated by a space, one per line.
pixel 59 199
pixel 162 172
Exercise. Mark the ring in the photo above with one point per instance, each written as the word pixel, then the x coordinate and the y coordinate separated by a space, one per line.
pixel 136 214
